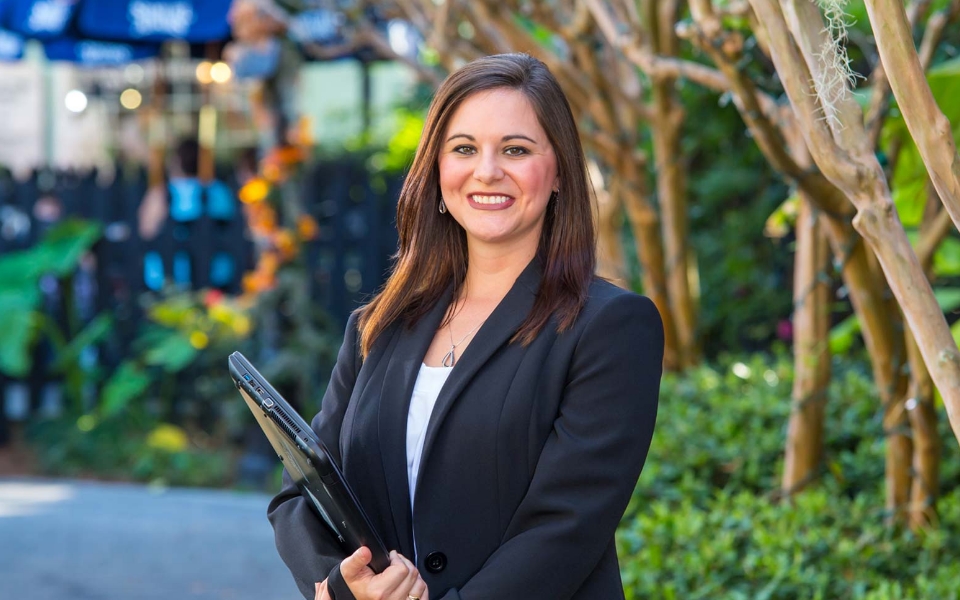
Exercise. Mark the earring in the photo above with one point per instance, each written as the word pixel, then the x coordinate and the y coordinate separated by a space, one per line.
pixel 443 207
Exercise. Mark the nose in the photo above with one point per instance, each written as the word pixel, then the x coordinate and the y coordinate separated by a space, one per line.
pixel 487 168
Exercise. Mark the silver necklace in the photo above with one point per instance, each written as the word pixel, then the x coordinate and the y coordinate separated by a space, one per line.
pixel 450 358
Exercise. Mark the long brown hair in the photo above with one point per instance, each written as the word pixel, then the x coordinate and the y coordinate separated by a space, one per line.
pixel 433 248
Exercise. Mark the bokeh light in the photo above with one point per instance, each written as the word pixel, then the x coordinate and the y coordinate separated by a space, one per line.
pixel 203 72
pixel 131 99
pixel 220 72
pixel 75 101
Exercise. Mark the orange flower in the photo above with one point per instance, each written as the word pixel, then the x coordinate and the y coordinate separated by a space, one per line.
pixel 254 191
pixel 256 281
pixel 307 228
pixel 262 219
pixel 273 173
pixel 269 263
pixel 285 243
pixel 290 155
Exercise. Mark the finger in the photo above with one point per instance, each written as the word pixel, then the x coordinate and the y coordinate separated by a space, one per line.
pixel 418 590
pixel 320 589
pixel 354 567
pixel 325 593
pixel 393 579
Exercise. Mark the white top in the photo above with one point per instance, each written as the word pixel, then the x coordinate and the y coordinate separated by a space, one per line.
pixel 425 392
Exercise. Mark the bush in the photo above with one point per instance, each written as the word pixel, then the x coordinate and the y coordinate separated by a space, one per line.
pixel 821 545
pixel 705 521
pixel 132 448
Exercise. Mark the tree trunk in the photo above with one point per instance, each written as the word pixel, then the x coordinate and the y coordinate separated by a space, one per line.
pixel 926 442
pixel 645 225
pixel 610 263
pixel 841 156
pixel 667 120
pixel 926 123
pixel 811 327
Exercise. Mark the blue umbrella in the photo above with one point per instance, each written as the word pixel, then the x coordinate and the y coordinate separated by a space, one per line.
pixel 154 20
pixel 11 46
pixel 96 53
pixel 53 23
pixel 40 19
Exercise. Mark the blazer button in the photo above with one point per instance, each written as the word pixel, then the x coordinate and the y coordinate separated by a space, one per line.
pixel 435 562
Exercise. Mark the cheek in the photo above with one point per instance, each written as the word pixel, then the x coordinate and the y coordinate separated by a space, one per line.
pixel 450 174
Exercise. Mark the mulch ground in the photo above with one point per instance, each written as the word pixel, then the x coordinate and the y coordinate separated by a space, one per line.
pixel 16 459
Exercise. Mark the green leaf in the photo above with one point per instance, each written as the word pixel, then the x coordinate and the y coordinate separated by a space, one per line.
pixel 62 246
pixel 946 260
pixel 17 325
pixel 95 331
pixel 843 334
pixel 172 353
pixel 909 181
pixel 18 271
pixel 910 196
pixel 126 383
pixel 947 298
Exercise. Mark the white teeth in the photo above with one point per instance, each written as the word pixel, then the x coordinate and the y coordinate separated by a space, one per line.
pixel 489 199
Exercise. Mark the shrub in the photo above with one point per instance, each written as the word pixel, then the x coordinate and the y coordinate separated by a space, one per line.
pixel 820 545
pixel 705 521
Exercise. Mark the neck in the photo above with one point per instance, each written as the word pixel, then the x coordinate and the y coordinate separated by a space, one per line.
pixel 491 273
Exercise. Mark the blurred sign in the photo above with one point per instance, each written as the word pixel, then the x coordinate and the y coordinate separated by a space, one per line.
pixel 11 46
pixel 41 19
pixel 22 103
pixel 155 20
pixel 93 53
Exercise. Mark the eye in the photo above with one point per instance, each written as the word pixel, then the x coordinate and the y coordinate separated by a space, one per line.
pixel 463 149
pixel 515 151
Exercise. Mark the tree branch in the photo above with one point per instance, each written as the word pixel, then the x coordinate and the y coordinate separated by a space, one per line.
pixel 926 123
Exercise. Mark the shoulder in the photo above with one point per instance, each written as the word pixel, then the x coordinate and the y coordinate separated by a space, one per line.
pixel 606 300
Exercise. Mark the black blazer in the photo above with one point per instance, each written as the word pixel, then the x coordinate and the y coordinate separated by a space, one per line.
pixel 530 457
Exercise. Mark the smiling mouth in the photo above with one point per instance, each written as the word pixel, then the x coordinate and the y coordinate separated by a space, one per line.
pixel 489 200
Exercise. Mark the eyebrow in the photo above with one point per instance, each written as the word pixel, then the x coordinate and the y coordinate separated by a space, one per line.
pixel 506 138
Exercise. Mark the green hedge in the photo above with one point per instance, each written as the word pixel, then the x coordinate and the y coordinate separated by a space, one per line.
pixel 705 522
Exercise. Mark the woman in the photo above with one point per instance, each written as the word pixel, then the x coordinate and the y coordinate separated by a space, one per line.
pixel 493 405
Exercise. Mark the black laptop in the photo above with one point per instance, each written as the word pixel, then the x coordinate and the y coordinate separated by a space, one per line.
pixel 309 464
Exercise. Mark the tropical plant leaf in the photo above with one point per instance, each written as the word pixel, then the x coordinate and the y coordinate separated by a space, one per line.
pixel 18 271
pixel 62 246
pixel 127 382
pixel 17 327
pixel 94 331
pixel 172 353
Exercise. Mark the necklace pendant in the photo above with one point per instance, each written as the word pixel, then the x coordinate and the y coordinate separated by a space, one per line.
pixel 449 358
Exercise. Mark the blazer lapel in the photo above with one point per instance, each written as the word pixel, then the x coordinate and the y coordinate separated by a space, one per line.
pixel 500 326
pixel 398 381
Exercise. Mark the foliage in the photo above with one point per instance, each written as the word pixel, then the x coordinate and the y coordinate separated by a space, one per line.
pixel 176 374
pixel 293 330
pixel 186 332
pixel 21 316
pixel 130 447
pixel 706 520
pixel 744 277
pixel 820 546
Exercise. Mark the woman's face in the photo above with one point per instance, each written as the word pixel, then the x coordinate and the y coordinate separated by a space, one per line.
pixel 497 171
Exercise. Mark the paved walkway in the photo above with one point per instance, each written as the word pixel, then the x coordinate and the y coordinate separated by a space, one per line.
pixel 70 540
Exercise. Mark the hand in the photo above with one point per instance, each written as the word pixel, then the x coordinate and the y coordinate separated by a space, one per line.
pixel 322 593
pixel 399 581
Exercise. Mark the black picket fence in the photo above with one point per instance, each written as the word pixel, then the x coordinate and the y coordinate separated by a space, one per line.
pixel 346 263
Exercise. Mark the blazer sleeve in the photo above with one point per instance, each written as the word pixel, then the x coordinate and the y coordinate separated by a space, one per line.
pixel 590 464
pixel 308 548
